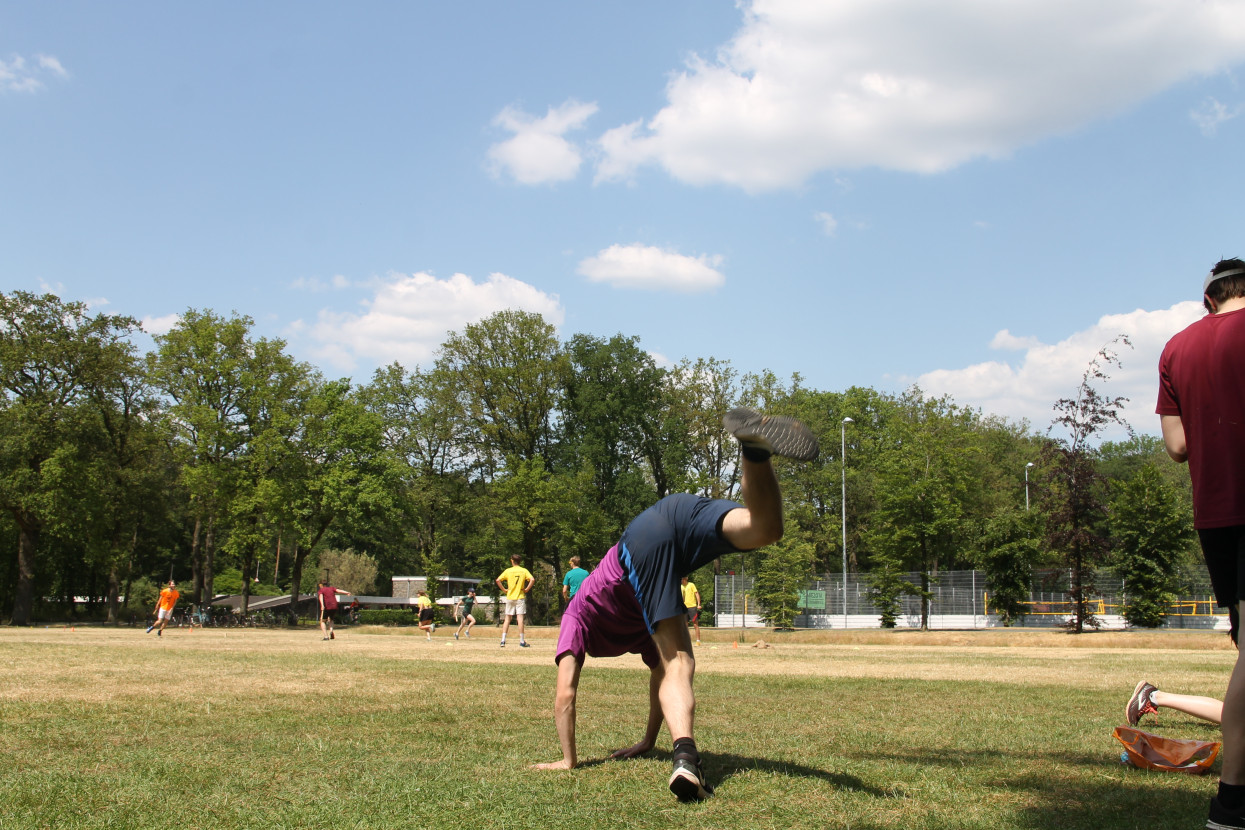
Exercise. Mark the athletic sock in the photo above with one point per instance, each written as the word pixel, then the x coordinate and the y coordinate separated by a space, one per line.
pixel 685 749
pixel 1232 796
pixel 754 453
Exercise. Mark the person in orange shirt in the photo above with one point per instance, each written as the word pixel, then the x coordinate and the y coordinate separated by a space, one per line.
pixel 164 608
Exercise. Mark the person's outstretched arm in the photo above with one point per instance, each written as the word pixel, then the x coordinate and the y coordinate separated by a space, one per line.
pixel 564 712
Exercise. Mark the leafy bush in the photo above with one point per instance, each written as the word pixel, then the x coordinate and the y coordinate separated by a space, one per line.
pixel 385 616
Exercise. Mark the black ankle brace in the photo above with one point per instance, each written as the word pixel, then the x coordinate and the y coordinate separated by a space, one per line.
pixel 685 749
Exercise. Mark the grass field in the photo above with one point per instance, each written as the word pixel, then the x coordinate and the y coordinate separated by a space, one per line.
pixel 381 728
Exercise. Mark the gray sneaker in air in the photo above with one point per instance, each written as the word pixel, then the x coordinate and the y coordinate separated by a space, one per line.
pixel 776 434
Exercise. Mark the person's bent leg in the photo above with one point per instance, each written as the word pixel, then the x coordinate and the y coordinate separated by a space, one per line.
pixel 759 522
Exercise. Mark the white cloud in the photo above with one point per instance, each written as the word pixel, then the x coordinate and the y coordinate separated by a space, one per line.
pixel 643 266
pixel 807 86
pixel 1210 114
pixel 539 153
pixel 409 316
pixel 19 75
pixel 1007 341
pixel 1028 388
pixel 827 221
pixel 160 325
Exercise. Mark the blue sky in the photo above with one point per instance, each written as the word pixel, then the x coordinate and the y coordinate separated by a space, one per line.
pixel 970 196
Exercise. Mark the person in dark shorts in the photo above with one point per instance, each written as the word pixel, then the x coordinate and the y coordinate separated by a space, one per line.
pixel 427 614
pixel 326 595
pixel 1201 408
pixel 632 602
pixel 462 613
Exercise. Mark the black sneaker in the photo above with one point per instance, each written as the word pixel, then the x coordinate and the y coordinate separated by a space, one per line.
pixel 1222 818
pixel 523 644
pixel 1140 704
pixel 688 782
pixel 777 434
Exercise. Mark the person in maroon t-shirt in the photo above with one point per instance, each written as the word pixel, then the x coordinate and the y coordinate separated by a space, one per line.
pixel 1201 408
pixel 326 595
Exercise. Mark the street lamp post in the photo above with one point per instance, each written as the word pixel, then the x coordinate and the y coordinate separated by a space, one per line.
pixel 843 500
pixel 1027 466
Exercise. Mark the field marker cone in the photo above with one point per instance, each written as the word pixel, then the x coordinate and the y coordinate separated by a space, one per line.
pixel 735 644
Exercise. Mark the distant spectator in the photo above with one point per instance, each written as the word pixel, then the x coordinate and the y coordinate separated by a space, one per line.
pixel 164 608
pixel 327 596
pixel 462 613
pixel 515 581
pixel 426 613
pixel 574 577
pixel 691 601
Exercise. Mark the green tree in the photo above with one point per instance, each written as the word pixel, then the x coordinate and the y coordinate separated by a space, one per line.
pixel 887 588
pixel 508 373
pixel 58 364
pixel 337 471
pixel 784 571
pixel 922 487
pixel 1151 531
pixel 349 570
pixel 201 366
pixel 1008 547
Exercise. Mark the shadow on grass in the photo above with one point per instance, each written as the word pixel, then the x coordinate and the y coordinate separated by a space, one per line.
pixel 719 767
pixel 1082 790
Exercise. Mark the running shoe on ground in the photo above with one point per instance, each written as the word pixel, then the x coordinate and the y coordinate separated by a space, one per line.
pixel 1222 818
pixel 524 645
pixel 1140 703
pixel 776 434
pixel 688 782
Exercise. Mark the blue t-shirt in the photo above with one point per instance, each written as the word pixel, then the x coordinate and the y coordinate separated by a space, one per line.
pixel 573 578
pixel 665 543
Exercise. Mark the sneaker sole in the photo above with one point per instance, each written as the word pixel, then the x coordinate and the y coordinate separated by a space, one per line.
pixel 687 787
pixel 1141 684
pixel 783 436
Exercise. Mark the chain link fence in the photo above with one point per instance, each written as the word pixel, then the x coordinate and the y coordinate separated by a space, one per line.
pixel 960 599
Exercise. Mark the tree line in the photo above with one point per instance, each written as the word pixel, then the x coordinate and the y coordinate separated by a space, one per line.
pixel 217 454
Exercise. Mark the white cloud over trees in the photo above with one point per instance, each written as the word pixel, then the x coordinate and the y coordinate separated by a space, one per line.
pixel 1028 386
pixel 408 317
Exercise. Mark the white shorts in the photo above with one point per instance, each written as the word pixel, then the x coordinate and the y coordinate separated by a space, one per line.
pixel 164 614
pixel 516 606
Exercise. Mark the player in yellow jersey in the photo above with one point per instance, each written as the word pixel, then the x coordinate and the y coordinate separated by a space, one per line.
pixel 691 601
pixel 515 582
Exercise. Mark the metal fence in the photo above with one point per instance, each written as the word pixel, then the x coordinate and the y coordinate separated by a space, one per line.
pixel 961 599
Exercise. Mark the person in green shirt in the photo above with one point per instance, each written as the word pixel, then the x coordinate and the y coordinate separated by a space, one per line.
pixel 515 582
pixel 574 577
pixel 462 613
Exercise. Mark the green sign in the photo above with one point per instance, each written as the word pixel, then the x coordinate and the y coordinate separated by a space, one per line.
pixel 813 599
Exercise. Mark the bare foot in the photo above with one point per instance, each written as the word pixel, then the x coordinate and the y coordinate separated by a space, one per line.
pixel 563 764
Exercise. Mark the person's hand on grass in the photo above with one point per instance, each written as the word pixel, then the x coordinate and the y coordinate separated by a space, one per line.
pixel 632 751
